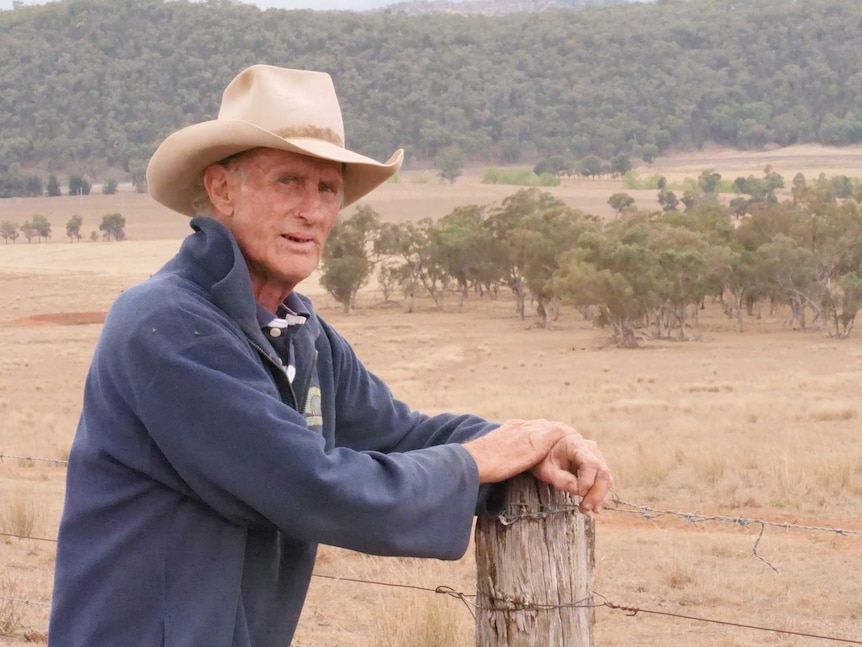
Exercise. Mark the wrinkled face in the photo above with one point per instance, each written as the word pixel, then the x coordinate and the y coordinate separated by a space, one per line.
pixel 280 207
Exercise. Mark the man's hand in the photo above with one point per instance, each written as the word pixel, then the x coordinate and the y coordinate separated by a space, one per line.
pixel 575 465
pixel 557 454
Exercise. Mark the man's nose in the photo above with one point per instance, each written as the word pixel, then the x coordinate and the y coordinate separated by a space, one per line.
pixel 310 207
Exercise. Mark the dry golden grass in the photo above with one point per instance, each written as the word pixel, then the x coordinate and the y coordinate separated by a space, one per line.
pixel 761 424
pixel 20 515
pixel 10 612
pixel 420 618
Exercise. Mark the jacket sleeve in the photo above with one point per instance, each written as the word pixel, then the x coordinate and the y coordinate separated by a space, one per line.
pixel 368 417
pixel 216 428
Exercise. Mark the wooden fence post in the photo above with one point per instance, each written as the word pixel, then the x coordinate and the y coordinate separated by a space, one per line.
pixel 530 567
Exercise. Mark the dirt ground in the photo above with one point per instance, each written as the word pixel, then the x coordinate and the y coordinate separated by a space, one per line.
pixel 761 425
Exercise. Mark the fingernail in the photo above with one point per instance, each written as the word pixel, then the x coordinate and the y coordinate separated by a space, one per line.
pixel 588 507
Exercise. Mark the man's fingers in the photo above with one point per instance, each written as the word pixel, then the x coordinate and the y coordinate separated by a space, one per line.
pixel 587 478
pixel 599 493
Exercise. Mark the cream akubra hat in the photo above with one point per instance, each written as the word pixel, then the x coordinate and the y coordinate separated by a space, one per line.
pixel 264 106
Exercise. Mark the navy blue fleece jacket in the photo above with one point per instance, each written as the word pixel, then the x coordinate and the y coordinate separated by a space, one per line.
pixel 197 492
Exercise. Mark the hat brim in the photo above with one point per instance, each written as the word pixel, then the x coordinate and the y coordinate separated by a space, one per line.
pixel 175 169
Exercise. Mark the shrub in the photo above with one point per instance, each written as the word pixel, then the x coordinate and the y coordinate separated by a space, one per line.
pixel 518 177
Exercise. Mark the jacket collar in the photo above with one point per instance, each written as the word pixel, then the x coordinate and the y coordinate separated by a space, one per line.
pixel 213 260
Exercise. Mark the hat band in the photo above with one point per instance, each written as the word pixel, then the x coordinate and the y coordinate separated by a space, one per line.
pixel 312 132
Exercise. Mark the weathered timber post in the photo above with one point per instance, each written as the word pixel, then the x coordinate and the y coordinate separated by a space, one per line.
pixel 534 571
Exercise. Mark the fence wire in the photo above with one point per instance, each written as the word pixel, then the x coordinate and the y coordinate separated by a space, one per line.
pixel 595 601
pixel 32 459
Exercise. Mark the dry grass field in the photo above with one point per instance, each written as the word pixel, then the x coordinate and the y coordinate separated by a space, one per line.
pixel 762 424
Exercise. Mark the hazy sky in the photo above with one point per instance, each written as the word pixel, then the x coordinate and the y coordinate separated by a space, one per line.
pixel 355 5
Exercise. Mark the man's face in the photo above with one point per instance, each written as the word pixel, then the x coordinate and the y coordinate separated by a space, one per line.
pixel 283 208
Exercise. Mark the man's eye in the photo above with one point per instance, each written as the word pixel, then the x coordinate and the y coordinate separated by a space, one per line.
pixel 286 179
pixel 328 188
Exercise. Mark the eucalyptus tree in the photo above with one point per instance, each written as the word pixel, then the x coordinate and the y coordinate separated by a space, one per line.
pixel 789 275
pixel 504 224
pixel 449 163
pixel 73 228
pixel 28 230
pixel 832 230
pixel 463 250
pixel 543 238
pixel 9 231
pixel 52 189
pixel 42 226
pixel 590 166
pixel 113 225
pixel 79 186
pixel 620 165
pixel 708 181
pixel 409 259
pixel 760 189
pixel 745 271
pixel 739 206
pixel 845 308
pixel 614 270
pixel 620 201
pixel 347 263
pixel 668 200
pixel 682 276
pixel 556 164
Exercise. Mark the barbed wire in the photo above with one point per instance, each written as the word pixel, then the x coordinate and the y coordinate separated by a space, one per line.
pixel 34 459
pixel 694 517
pixel 9 534
pixel 633 611
pixel 596 600
pixel 508 518
pixel 648 512
pixel 509 605
pixel 27 602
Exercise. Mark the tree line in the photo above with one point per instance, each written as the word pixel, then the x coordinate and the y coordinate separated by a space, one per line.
pixel 92 86
pixel 643 274
pixel 491 7
pixel 113 227
pixel 15 183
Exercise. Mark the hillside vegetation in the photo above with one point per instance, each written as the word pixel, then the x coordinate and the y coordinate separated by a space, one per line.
pixel 495 7
pixel 92 85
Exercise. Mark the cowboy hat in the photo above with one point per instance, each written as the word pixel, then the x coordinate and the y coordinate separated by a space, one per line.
pixel 264 106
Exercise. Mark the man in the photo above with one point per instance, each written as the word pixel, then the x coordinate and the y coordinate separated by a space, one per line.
pixel 227 429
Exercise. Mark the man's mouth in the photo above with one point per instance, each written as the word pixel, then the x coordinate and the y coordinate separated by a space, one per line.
pixel 298 238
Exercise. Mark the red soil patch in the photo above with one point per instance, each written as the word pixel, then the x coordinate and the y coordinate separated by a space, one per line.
pixel 60 319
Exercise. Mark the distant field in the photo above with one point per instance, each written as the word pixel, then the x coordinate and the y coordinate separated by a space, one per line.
pixel 407 199
pixel 762 424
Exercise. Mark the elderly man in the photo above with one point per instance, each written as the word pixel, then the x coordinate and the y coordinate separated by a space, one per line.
pixel 227 430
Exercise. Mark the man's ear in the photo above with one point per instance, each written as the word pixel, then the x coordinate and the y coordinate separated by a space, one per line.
pixel 220 186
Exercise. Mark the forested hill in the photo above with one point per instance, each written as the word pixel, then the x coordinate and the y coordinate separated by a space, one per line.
pixel 495 7
pixel 87 85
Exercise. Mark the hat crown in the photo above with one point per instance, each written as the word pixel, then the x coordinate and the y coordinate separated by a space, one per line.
pixel 289 103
